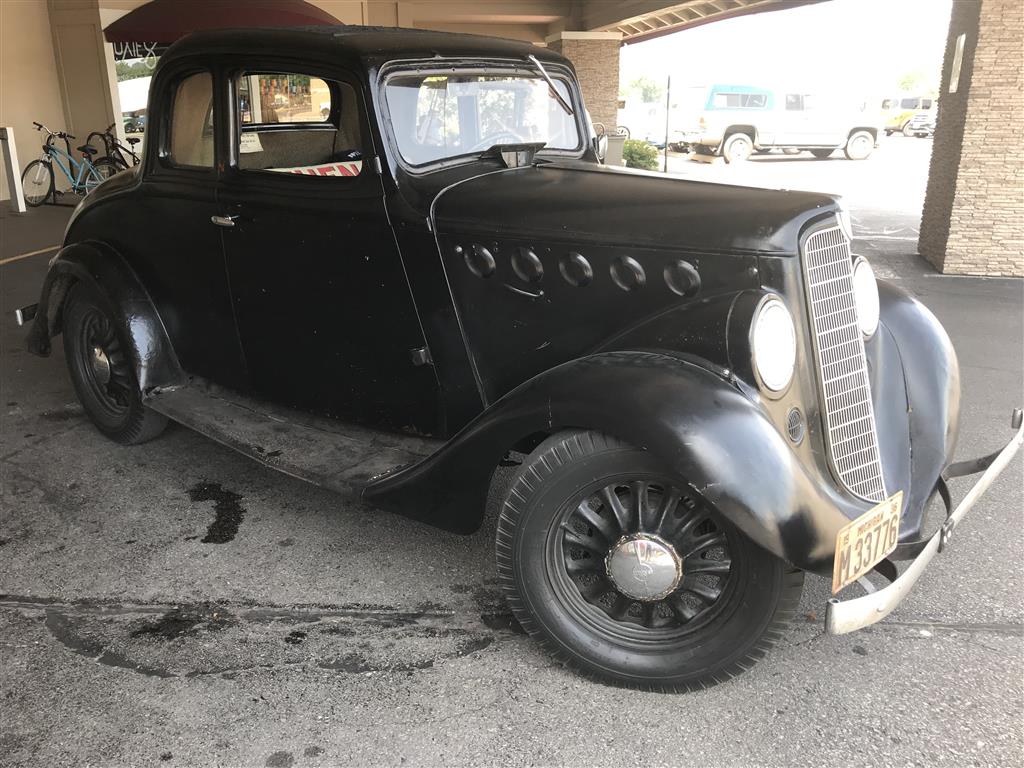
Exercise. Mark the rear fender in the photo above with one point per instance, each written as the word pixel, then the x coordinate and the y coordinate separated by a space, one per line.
pixel 156 365
pixel 706 426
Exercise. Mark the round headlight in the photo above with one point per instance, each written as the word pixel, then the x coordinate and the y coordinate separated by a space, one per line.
pixel 865 292
pixel 773 341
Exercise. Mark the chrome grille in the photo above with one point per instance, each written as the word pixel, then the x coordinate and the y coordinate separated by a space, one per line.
pixel 842 367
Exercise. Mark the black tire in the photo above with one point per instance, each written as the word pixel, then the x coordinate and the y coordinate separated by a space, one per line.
pixel 730 601
pixel 822 154
pixel 37 183
pixel 737 148
pixel 907 130
pixel 99 361
pixel 108 166
pixel 859 146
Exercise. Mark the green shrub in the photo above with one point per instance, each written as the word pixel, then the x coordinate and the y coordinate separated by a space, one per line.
pixel 639 154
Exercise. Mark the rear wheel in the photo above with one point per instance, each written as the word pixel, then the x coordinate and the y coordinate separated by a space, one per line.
pixel 821 154
pixel 859 145
pixel 625 573
pixel 37 183
pixel 107 167
pixel 907 130
pixel 99 361
pixel 737 148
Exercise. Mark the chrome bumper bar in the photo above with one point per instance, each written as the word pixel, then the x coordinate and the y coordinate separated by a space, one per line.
pixel 843 616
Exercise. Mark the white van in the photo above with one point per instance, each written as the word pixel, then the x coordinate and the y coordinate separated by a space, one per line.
pixel 738 120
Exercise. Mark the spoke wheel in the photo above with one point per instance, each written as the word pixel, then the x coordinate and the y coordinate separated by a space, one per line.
pixel 37 183
pixel 647 554
pixel 100 362
pixel 624 572
pixel 105 364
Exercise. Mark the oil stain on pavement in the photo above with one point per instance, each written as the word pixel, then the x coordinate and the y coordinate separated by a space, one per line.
pixel 227 509
pixel 196 640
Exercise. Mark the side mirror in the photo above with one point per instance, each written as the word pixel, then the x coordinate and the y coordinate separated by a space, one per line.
pixel 601 146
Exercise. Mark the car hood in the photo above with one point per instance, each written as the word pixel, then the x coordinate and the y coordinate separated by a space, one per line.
pixel 587 202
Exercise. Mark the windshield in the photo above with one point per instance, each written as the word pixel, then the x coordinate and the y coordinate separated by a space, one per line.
pixel 436 116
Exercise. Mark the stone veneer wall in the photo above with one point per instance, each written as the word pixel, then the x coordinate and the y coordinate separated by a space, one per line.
pixel 973 219
pixel 596 59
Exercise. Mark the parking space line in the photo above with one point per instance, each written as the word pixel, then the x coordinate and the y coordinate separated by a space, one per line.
pixel 20 256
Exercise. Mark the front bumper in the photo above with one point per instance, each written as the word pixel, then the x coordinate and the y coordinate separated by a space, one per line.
pixel 846 616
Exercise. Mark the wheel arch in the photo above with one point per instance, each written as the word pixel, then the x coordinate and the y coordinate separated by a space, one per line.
pixel 732 130
pixel 694 417
pixel 867 128
pixel 100 266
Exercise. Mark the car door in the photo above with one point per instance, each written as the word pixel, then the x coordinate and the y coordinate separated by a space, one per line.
pixel 324 309
pixel 170 240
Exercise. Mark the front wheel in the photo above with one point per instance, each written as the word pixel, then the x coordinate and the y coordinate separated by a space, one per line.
pixel 37 183
pixel 859 145
pixel 626 574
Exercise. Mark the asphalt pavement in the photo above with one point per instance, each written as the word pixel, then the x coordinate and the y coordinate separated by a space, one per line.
pixel 324 632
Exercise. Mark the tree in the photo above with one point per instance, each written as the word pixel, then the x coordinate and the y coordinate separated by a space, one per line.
pixel 647 89
pixel 917 82
pixel 126 71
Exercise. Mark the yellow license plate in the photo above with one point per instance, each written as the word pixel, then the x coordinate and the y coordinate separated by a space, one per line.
pixel 866 541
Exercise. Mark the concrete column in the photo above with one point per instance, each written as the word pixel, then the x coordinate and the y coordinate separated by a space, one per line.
pixel 85 66
pixel 595 55
pixel 973 219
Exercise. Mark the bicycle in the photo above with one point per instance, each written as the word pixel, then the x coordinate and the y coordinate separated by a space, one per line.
pixel 38 180
pixel 122 156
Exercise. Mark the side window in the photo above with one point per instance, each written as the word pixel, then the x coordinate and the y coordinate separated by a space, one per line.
pixel 300 124
pixel 909 104
pixel 926 103
pixel 191 140
pixel 800 101
pixel 888 103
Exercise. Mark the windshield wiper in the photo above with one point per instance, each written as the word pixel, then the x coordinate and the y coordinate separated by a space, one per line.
pixel 551 84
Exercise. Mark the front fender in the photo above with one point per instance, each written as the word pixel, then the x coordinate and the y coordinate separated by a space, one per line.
pixel 705 426
pixel 155 363
pixel 915 380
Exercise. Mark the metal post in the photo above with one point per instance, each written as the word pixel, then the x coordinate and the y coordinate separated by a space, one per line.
pixel 10 152
pixel 668 116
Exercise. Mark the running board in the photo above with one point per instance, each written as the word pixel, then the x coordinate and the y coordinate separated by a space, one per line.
pixel 327 453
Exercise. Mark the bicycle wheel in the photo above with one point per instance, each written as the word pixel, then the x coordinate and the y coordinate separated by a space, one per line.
pixel 107 167
pixel 37 183
pixel 95 175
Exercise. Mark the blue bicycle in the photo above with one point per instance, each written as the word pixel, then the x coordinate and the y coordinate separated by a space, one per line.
pixel 84 175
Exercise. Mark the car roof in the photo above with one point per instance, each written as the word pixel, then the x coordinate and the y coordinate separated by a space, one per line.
pixel 349 43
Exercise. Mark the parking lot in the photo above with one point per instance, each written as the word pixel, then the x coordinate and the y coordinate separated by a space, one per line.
pixel 313 631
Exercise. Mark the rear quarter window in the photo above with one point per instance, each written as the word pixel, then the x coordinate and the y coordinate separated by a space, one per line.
pixel 191 139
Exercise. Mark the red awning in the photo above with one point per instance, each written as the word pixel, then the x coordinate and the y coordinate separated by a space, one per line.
pixel 164 21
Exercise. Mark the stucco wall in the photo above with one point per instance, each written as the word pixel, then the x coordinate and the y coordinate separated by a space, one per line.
pixel 29 88
pixel 973 219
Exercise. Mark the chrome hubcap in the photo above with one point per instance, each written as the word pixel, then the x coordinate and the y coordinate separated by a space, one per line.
pixel 644 567
pixel 100 365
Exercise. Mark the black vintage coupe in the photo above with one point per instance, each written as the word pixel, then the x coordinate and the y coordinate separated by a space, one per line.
pixel 388 261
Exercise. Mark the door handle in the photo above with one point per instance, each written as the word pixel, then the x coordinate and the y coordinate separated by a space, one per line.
pixel 224 221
